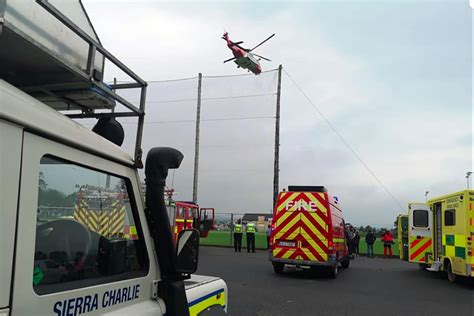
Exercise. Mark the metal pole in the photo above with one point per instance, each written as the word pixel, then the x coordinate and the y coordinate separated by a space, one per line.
pixel 107 180
pixel 276 166
pixel 141 122
pixel 196 144
pixel 231 227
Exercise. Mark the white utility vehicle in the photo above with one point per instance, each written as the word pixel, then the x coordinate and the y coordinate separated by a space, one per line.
pixel 76 235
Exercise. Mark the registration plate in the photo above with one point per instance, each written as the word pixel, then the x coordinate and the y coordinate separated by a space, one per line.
pixel 286 243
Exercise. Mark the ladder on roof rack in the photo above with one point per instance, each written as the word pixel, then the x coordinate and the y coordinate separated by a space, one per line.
pixel 43 72
pixel 95 47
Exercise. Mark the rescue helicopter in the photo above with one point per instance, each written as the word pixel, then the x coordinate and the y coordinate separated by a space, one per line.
pixel 244 57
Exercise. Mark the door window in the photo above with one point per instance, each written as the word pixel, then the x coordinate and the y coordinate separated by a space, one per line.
pixel 450 217
pixel 88 232
pixel 420 218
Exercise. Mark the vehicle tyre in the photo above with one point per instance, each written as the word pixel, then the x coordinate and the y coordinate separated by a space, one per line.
pixel 333 271
pixel 449 272
pixel 345 263
pixel 278 267
pixel 215 310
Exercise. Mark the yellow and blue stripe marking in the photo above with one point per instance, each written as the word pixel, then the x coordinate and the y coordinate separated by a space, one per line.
pixel 201 304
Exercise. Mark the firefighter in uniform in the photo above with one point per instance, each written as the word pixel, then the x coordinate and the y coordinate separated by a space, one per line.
pixel 250 232
pixel 238 235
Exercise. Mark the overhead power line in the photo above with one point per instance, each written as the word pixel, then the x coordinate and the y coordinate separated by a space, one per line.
pixel 344 141
pixel 196 77
pixel 159 81
pixel 212 98
pixel 203 120
pixel 171 80
pixel 239 75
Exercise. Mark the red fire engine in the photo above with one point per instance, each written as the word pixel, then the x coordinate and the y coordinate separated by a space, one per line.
pixel 187 215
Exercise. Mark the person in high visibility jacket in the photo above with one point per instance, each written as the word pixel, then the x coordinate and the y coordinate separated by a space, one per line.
pixel 238 235
pixel 250 232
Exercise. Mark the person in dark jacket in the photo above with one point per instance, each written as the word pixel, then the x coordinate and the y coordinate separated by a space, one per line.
pixel 370 239
pixel 356 241
pixel 351 243
pixel 269 232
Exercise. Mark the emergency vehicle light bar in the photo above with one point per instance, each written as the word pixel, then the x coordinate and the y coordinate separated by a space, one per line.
pixel 307 188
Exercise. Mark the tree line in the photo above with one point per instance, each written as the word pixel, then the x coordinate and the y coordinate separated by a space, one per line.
pixel 52 197
pixel 363 230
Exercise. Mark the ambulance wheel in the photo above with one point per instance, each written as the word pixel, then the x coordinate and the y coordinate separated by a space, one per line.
pixel 333 271
pixel 449 272
pixel 278 267
pixel 345 263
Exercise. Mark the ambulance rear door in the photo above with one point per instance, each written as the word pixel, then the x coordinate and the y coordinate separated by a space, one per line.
pixel 420 233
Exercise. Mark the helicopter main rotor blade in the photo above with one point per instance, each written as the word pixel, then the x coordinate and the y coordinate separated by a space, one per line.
pixel 238 43
pixel 263 41
pixel 229 59
pixel 245 49
pixel 261 57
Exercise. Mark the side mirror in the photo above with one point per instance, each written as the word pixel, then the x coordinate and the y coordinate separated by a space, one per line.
pixel 187 251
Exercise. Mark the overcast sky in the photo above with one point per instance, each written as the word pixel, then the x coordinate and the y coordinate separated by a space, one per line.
pixel 393 77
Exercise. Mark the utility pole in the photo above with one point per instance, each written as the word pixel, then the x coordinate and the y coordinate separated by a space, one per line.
pixel 107 179
pixel 276 166
pixel 468 175
pixel 196 143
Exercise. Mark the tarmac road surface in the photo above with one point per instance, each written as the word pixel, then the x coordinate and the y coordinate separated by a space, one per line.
pixel 369 287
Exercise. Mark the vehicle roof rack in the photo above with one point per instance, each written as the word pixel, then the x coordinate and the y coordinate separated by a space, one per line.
pixel 51 57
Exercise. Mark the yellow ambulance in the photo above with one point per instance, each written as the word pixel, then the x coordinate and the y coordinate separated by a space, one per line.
pixel 440 234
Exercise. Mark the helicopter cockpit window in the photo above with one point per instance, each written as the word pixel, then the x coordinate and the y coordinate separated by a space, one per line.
pixel 252 58
pixel 87 231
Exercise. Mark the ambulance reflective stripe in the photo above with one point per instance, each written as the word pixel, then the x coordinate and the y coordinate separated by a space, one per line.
pixel 301 217
pixel 418 248
pixel 199 305
pixel 455 246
